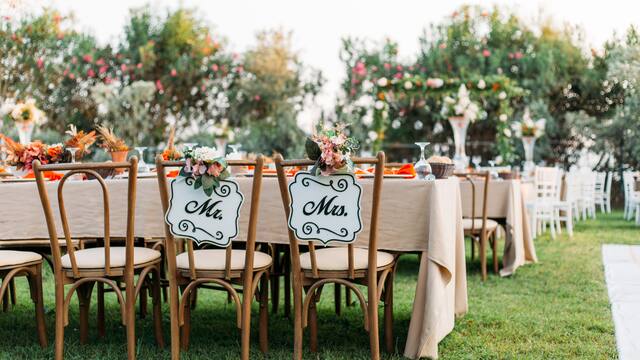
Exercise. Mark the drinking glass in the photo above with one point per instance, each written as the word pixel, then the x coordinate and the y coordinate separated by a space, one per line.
pixel 73 151
pixel 493 172
pixel 476 160
pixel 422 167
pixel 142 166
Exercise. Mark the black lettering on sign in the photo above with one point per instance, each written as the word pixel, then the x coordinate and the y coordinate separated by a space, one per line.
pixel 207 209
pixel 324 207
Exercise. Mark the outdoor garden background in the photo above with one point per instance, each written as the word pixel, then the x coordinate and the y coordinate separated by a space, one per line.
pixel 172 67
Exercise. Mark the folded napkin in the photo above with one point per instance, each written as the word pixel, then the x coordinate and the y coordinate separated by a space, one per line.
pixel 49 175
pixel 406 169
pixel 173 173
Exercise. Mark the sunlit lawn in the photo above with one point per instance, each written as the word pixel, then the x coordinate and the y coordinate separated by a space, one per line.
pixel 556 309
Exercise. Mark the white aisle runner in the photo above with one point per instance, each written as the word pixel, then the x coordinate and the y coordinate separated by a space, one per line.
pixel 622 273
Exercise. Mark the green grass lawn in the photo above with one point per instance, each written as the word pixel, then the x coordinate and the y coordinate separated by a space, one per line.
pixel 556 309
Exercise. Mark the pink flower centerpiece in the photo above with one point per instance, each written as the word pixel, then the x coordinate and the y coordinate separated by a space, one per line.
pixel 331 149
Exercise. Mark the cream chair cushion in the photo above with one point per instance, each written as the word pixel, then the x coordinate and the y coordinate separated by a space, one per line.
pixel 477 225
pixel 337 259
pixel 214 259
pixel 12 258
pixel 94 258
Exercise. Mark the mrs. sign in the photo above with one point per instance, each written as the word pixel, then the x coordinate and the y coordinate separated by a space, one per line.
pixel 194 215
pixel 325 208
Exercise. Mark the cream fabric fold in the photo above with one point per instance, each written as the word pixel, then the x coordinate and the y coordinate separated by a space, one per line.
pixel 415 216
pixel 506 201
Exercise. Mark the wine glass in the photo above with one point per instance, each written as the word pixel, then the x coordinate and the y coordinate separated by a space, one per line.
pixel 73 151
pixel 476 160
pixel 235 154
pixel 189 146
pixel 422 167
pixel 436 147
pixel 493 172
pixel 142 166
pixel 445 149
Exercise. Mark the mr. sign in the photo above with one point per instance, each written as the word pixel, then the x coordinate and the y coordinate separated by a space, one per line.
pixel 325 208
pixel 204 219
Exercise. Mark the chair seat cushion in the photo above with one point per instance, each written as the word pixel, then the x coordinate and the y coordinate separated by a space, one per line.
pixel 214 259
pixel 477 224
pixel 337 259
pixel 94 258
pixel 12 258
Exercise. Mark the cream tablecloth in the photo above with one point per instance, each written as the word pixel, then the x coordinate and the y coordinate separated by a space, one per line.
pixel 506 200
pixel 415 216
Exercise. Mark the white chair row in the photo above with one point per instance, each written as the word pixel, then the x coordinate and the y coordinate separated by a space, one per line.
pixel 582 192
pixel 631 197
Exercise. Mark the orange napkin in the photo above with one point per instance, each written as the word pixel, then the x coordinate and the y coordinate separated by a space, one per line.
pixel 49 175
pixel 173 173
pixel 360 172
pixel 406 169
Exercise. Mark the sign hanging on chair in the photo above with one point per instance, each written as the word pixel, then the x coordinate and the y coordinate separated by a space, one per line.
pixel 202 218
pixel 325 208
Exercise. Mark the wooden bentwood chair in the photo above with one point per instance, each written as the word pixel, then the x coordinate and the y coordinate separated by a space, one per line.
pixel 108 265
pixel 481 230
pixel 345 265
pixel 29 264
pixel 221 267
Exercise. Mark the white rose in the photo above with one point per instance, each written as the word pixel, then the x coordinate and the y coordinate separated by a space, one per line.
pixel 379 105
pixel 367 119
pixel 503 117
pixel 408 85
pixel 502 95
pixel 382 82
pixel 367 86
pixel 481 84
pixel 373 135
pixel 396 124
pixel 418 125
pixel 507 132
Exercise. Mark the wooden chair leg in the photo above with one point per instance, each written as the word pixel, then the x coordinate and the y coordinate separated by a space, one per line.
pixel 12 291
pixel 59 336
pixel 143 301
pixel 337 297
pixel 264 313
pixel 388 312
pixel 5 301
pixel 157 308
pixel 275 280
pixel 186 327
pixel 174 305
pixel 287 286
pixel 374 336
pixel 100 310
pixel 473 248
pixel 483 257
pixel 347 297
pixel 35 283
pixel 313 325
pixel 130 315
pixel 84 301
pixel 494 245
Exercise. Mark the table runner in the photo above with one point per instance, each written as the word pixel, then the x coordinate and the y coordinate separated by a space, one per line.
pixel 415 216
pixel 506 200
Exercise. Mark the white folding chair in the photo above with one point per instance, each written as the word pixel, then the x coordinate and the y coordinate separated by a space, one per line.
pixel 542 210
pixel 588 190
pixel 607 192
pixel 564 209
pixel 631 197
pixel 599 193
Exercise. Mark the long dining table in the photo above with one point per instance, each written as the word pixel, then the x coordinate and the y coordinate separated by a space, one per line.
pixel 416 216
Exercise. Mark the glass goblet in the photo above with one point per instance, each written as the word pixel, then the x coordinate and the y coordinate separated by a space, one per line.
pixel 142 165
pixel 73 151
pixel 476 160
pixel 422 167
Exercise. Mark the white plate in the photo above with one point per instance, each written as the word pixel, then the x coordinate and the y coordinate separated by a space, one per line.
pixel 389 176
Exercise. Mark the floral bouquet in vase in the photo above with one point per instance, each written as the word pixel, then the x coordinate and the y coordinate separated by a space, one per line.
pixel 206 166
pixel 460 110
pixel 331 149
pixel 529 130
pixel 25 116
pixel 21 157
pixel 78 143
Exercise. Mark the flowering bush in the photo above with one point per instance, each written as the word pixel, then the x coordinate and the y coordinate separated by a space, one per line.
pixel 529 128
pixel 206 166
pixel 331 149
pixel 460 105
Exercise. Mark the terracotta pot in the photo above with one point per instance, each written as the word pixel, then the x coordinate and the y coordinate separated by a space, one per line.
pixel 119 156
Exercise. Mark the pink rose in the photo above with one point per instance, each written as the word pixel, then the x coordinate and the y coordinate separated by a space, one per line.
pixel 123 67
pixel 202 169
pixel 214 67
pixel 87 58
pixel 100 62
pixel 91 73
pixel 398 76
pixel 159 86
pixel 139 66
pixel 387 66
pixel 399 67
pixel 173 72
pixel 486 53
pixel 519 55
pixel 103 69
pixel 215 169
pixel 40 63
pixel 256 98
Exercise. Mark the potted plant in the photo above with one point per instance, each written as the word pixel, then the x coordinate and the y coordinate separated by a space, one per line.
pixel 112 144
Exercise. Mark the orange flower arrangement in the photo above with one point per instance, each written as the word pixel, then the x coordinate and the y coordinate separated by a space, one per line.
pixel 170 152
pixel 80 140
pixel 110 141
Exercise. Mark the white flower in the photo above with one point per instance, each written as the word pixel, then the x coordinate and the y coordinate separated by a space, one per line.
pixel 507 132
pixel 408 85
pixel 379 105
pixel 396 124
pixel 385 114
pixel 503 117
pixel 367 86
pixel 502 95
pixel 481 84
pixel 449 100
pixel 540 124
pixel 367 119
pixel 418 125
pixel 205 153
pixel 438 128
pixel 373 135
pixel 364 101
pixel 382 82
